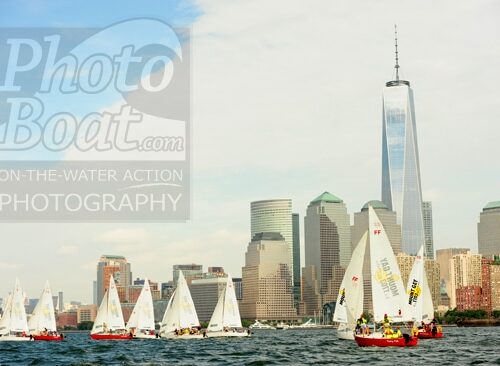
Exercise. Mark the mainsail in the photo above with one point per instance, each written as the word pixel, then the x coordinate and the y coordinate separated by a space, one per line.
pixel 5 320
pixel 109 316
pixel 226 313
pixel 43 317
pixel 142 316
pixel 18 322
pixel 388 292
pixel 350 299
pixel 180 312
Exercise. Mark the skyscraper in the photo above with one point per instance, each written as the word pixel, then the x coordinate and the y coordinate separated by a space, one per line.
pixel 327 248
pixel 488 230
pixel 392 228
pixel 273 216
pixel 465 271
pixel 296 256
pixel 443 257
pixel 267 279
pixel 401 188
pixel 118 266
pixel 428 230
pixel 190 272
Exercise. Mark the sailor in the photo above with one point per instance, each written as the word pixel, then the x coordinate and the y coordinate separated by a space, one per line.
pixel 398 333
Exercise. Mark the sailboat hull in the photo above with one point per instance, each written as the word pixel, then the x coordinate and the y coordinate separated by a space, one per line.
pixel 227 334
pixel 10 338
pixel 59 337
pixel 429 335
pixel 370 341
pixel 107 336
pixel 182 336
pixel 144 336
pixel 346 334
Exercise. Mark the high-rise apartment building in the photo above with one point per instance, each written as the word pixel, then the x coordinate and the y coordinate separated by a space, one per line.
pixel 401 187
pixel 392 228
pixel 465 270
pixel 86 313
pixel 117 266
pixel 428 229
pixel 327 248
pixel 273 216
pixel 488 230
pixel 267 279
pixel 443 257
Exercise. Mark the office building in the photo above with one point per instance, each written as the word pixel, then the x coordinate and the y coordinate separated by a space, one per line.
pixel 401 186
pixel 273 216
pixel 190 272
pixel 296 257
pixel 86 313
pixel 465 270
pixel 428 229
pixel 205 293
pixel 117 266
pixel 488 230
pixel 267 279
pixel 443 257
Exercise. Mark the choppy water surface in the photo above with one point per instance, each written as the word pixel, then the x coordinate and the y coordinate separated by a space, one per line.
pixel 462 346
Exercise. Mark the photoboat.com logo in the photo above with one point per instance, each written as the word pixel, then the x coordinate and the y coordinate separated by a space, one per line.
pixel 95 123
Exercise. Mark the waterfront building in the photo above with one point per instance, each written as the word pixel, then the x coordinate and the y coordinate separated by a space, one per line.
pixel 86 313
pixel 238 287
pixel 495 285
pixel 66 319
pixel 167 289
pixel 296 258
pixel 388 219
pixel 401 186
pixel 117 266
pixel 488 230
pixel 205 293
pixel 443 257
pixel 273 216
pixel 465 270
pixel 267 279
pixel 190 272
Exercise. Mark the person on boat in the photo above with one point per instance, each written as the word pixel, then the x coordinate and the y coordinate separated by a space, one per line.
pixel 414 330
pixel 434 329
pixel 398 333
pixel 386 321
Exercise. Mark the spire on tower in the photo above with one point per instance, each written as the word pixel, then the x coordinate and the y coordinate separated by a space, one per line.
pixel 396 45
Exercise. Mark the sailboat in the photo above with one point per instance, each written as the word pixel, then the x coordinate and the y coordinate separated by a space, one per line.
pixel 180 320
pixel 226 320
pixel 13 325
pixel 350 299
pixel 142 320
pixel 42 324
pixel 419 297
pixel 388 292
pixel 109 322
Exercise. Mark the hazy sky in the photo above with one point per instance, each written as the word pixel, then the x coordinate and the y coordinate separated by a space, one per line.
pixel 287 104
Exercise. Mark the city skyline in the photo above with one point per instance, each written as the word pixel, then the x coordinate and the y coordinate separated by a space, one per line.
pixel 310 140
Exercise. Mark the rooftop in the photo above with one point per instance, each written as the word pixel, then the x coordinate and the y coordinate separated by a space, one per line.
pixel 327 197
pixel 492 205
pixel 375 204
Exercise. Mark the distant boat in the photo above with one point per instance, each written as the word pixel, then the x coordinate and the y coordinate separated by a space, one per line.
pixel 13 325
pixel 42 324
pixel 109 324
pixel 142 320
pixel 258 325
pixel 281 326
pixel 226 320
pixel 349 303
pixel 388 292
pixel 180 320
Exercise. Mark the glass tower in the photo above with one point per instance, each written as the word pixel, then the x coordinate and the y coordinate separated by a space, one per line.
pixel 401 189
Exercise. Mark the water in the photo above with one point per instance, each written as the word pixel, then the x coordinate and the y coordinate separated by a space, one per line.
pixel 462 346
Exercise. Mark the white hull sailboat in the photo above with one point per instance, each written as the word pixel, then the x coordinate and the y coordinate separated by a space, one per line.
pixel 388 292
pixel 180 320
pixel 13 324
pixel 142 321
pixel 42 324
pixel 226 320
pixel 109 324
pixel 350 299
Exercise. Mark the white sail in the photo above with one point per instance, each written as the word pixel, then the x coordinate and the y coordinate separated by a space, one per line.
pixel 350 299
pixel 414 287
pixel 43 316
pixel 181 312
pixel 427 306
pixel 5 320
pixel 388 292
pixel 226 312
pixel 18 321
pixel 109 316
pixel 100 322
pixel 142 316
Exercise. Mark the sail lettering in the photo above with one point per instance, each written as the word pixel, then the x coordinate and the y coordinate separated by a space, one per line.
pixel 388 281
pixel 414 292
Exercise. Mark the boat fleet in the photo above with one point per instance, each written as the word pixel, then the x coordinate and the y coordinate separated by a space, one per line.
pixel 392 303
pixel 180 320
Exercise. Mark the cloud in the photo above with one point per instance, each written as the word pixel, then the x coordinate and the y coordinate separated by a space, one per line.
pixel 10 266
pixel 67 249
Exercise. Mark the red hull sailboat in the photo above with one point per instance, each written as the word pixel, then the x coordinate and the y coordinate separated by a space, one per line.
pixel 386 342
pixel 429 335
pixel 116 337
pixel 58 337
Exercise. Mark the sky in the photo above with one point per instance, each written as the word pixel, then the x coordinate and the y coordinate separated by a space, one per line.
pixel 286 103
